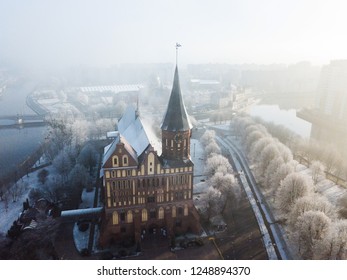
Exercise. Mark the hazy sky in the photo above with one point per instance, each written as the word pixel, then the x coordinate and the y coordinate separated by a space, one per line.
pixel 39 33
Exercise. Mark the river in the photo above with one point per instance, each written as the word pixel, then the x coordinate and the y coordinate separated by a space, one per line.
pixel 287 118
pixel 17 144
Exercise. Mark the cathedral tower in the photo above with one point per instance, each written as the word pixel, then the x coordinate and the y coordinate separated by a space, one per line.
pixel 176 127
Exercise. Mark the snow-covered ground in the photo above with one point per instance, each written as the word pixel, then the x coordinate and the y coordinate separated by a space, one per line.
pixel 10 212
pixel 197 155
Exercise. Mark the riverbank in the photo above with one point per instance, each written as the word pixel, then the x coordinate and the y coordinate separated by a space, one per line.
pixel 30 164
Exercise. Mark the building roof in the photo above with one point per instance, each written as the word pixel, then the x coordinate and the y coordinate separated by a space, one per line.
pixel 109 149
pixel 132 129
pixel 176 117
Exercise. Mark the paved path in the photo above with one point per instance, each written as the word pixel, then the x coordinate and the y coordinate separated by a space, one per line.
pixel 267 223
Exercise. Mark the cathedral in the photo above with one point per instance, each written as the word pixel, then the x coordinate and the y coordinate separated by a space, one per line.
pixel 147 193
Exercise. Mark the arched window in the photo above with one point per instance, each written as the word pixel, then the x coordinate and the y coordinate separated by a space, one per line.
pixel 125 160
pixel 173 211
pixel 115 161
pixel 161 213
pixel 185 210
pixel 144 215
pixel 115 219
pixel 129 216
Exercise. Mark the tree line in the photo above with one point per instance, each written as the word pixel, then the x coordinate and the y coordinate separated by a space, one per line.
pixel 316 227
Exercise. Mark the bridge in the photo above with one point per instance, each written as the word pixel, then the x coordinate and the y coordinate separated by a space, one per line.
pixel 21 121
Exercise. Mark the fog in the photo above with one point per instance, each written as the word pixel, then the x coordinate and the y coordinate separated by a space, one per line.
pixel 42 34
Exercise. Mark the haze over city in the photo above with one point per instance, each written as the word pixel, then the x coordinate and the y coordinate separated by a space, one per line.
pixel 173 130
pixel 47 34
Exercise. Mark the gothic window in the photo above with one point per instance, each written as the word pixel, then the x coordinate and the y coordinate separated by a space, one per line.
pixel 180 211
pixel 115 218
pixel 173 211
pixel 185 210
pixel 144 215
pixel 129 216
pixel 161 213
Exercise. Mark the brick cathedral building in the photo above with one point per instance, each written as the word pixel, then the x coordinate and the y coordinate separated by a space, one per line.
pixel 144 191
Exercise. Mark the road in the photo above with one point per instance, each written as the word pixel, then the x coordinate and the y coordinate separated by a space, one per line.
pixel 273 240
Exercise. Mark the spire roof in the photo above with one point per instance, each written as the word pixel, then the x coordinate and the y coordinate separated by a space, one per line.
pixel 176 117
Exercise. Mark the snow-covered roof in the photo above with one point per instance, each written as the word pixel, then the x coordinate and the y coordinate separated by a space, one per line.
pixel 132 129
pixel 109 149
pixel 113 88
pixel 78 213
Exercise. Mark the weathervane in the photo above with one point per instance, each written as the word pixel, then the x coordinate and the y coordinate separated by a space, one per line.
pixel 177 46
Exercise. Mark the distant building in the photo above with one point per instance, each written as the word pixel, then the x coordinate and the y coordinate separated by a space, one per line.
pixel 329 116
pixel 146 193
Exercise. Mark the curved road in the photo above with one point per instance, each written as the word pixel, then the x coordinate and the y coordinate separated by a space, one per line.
pixel 274 242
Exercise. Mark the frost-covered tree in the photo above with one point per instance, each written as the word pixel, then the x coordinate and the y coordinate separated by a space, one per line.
pixel 212 202
pixel 285 152
pixel 281 172
pixel 88 157
pixel 62 163
pixel 208 137
pixel 253 137
pixel 334 245
pixel 229 189
pixel 269 153
pixel 217 163
pixel 294 186
pixel 314 202
pixel 259 146
pixel 120 107
pixel 212 148
pixel 342 204
pixel 310 229
pixel 317 170
pixel 80 132
pixel 270 172
pixel 78 179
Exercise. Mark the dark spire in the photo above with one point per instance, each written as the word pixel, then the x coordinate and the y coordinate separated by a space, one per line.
pixel 176 117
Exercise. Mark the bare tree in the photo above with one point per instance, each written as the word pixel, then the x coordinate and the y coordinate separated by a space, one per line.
pixel 317 169
pixel 17 189
pixel 310 228
pixel 294 186
pixel 42 176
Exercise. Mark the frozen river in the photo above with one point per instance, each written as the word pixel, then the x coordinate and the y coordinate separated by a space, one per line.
pixel 288 118
pixel 17 144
